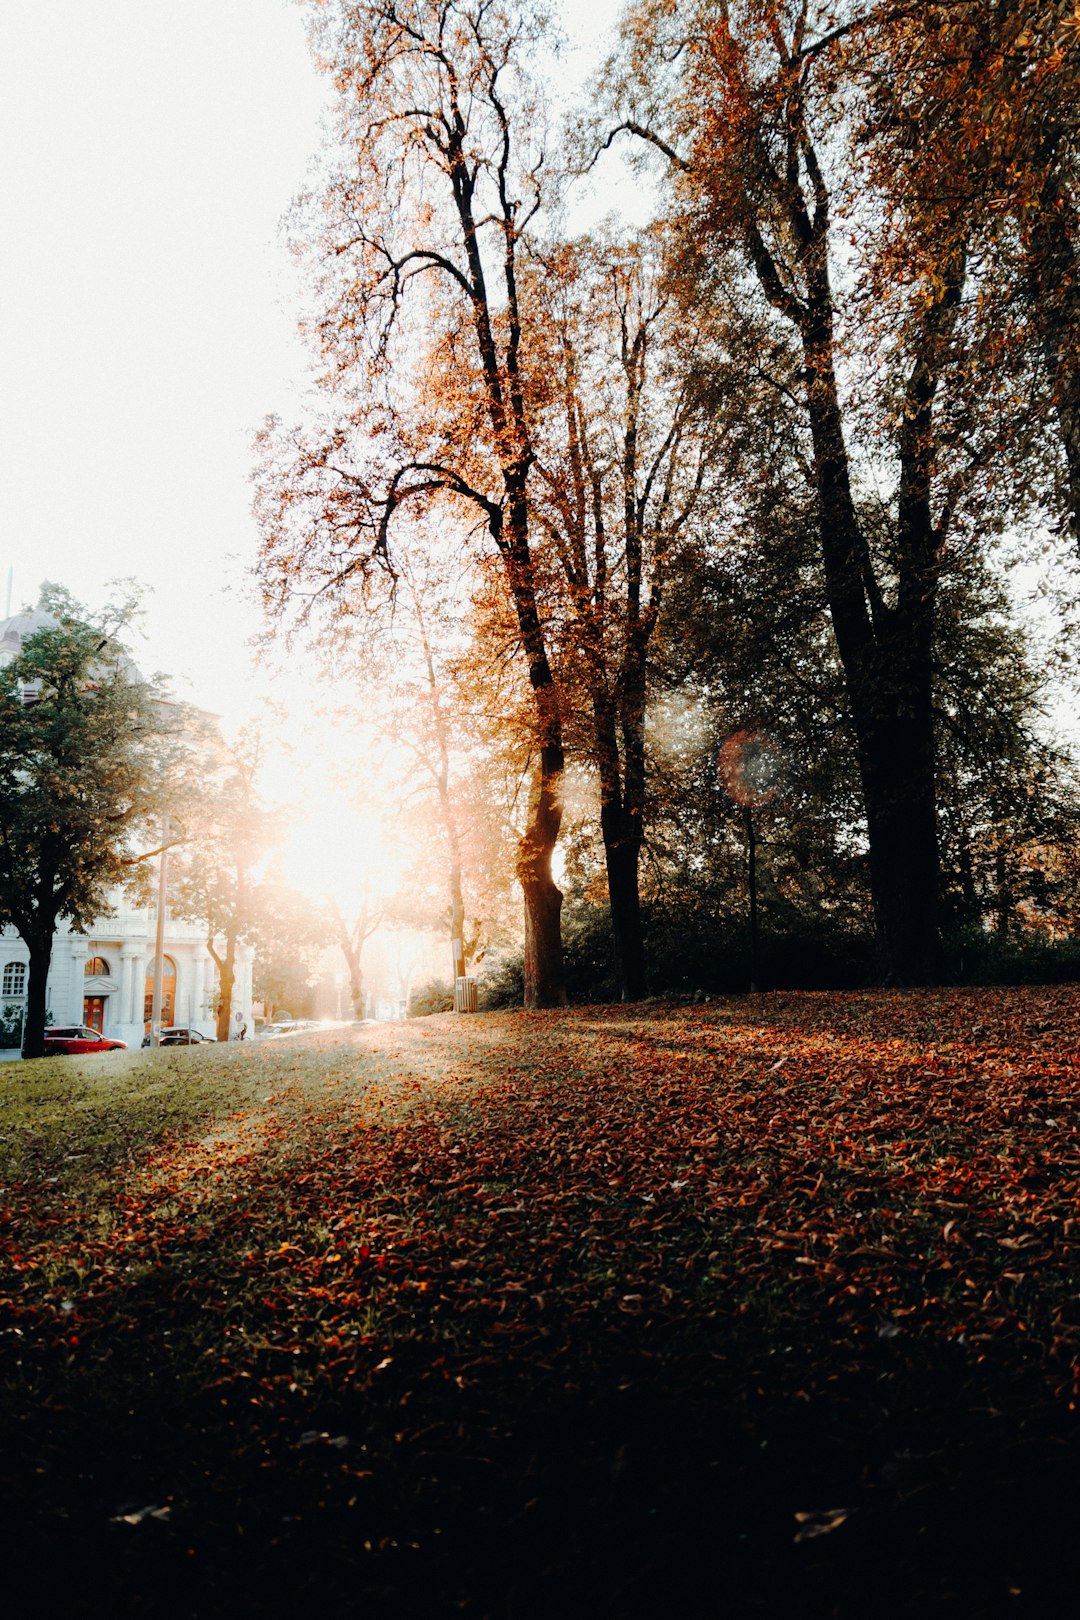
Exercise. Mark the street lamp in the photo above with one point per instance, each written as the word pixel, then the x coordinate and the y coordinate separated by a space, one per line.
pixel 753 772
pixel 159 936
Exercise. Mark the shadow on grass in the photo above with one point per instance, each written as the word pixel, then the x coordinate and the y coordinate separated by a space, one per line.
pixel 638 1492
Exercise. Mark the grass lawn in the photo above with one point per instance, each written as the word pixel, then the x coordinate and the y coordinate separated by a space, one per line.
pixel 770 1306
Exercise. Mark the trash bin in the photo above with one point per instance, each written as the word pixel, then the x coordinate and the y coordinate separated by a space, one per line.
pixel 465 995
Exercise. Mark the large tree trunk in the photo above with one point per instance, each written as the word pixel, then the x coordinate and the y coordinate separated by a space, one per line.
pixel 896 758
pixel 356 984
pixel 1054 263
pixel 545 979
pixel 545 976
pixel 37 990
pixel 545 983
pixel 886 651
pixel 226 966
pixel 888 680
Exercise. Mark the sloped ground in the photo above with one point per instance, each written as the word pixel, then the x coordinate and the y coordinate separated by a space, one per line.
pixel 765 1307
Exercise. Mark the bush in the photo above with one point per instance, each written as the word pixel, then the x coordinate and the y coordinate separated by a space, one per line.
pixel 436 996
pixel 502 984
pixel 11 1017
pixel 690 952
pixel 10 1024
pixel 974 957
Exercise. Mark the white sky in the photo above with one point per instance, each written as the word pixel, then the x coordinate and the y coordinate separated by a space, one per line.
pixel 147 303
pixel 147 316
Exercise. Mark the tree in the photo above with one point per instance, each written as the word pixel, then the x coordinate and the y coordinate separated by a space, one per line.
pixel 351 935
pixel 84 759
pixel 289 933
pixel 748 107
pixel 218 879
pixel 972 124
pixel 420 238
pixel 620 463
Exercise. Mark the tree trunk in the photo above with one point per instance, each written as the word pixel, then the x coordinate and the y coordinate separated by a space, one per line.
pixel 356 984
pixel 226 966
pixel 545 979
pixel 896 756
pixel 888 678
pixel 457 914
pixel 37 990
pixel 1055 282
pixel 886 651
pixel 1003 898
pixel 622 792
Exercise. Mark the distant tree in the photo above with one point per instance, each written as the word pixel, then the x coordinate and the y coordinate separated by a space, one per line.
pixel 351 934
pixel 289 934
pixel 84 760
pixel 217 880
pixel 415 667
pixel 622 446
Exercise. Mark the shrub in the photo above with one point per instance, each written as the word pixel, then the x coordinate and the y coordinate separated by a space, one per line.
pixel 11 1018
pixel 436 996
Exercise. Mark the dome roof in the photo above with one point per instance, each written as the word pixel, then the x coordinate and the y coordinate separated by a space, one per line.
pixel 21 626
pixel 17 629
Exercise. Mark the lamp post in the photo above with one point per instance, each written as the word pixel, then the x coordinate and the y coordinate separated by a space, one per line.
pixel 751 850
pixel 159 936
pixel 753 772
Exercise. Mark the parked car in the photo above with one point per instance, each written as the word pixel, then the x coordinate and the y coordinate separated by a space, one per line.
pixel 75 1039
pixel 173 1036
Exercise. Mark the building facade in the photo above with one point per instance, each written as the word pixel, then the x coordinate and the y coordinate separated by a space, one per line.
pixel 104 978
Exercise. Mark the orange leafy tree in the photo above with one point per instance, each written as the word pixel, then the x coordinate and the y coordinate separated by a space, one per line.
pixel 779 216
pixel 973 116
pixel 621 454
pixel 417 233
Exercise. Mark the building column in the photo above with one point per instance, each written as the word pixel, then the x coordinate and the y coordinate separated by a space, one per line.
pixel 79 950
pixel 130 957
pixel 199 958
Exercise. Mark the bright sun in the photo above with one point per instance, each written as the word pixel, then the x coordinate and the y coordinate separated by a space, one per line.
pixel 332 849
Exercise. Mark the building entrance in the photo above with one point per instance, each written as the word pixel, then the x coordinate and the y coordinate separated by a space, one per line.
pixel 94 1012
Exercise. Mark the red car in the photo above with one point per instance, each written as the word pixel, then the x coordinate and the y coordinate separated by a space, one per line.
pixel 75 1039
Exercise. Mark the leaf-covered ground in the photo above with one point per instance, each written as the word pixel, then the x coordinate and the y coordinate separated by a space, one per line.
pixel 770 1306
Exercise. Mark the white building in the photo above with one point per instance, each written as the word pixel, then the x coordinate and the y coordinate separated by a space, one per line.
pixel 104 978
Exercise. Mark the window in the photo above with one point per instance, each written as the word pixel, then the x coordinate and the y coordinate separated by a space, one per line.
pixel 168 992
pixel 96 967
pixel 14 979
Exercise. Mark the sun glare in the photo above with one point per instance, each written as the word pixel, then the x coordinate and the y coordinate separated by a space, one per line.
pixel 333 850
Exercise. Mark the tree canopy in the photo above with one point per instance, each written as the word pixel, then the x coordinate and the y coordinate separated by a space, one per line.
pixel 762 466
pixel 85 754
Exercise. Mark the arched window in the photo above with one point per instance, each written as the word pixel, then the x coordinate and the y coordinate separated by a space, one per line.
pixel 14 979
pixel 96 967
pixel 168 992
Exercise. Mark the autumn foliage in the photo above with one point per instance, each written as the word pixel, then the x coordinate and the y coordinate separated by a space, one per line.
pixel 763 1292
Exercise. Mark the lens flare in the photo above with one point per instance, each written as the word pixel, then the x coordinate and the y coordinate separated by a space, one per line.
pixel 752 769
